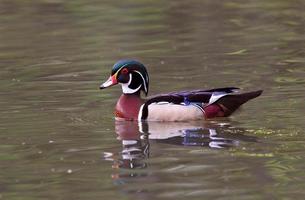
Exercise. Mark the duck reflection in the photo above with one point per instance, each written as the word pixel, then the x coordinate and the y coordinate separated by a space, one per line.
pixel 135 145
pixel 137 137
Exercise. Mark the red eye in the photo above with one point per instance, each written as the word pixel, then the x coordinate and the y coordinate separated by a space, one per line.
pixel 124 71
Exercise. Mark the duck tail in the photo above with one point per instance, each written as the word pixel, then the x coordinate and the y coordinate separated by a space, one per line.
pixel 232 102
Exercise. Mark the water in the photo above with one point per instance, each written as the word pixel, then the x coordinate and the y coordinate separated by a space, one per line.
pixel 58 136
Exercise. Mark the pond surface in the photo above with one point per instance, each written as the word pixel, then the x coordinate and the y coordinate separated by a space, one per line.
pixel 58 136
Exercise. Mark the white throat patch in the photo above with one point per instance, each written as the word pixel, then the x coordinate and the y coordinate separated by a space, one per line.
pixel 126 89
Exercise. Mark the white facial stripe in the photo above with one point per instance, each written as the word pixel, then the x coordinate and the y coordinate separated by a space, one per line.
pixel 143 80
pixel 116 73
pixel 130 79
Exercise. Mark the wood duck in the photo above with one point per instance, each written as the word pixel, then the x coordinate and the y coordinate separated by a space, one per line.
pixel 174 106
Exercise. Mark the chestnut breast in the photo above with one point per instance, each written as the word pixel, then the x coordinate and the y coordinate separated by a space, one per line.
pixel 128 107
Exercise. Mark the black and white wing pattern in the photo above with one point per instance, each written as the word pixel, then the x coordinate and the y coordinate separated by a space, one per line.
pixel 229 97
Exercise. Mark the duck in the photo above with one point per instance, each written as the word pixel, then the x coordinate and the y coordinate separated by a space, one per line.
pixel 190 105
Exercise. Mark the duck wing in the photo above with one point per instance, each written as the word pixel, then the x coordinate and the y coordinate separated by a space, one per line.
pixel 232 102
pixel 228 98
pixel 202 96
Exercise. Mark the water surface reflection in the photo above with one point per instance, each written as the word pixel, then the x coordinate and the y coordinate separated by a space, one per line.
pixel 138 139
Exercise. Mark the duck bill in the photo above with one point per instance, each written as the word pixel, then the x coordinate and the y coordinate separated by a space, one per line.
pixel 110 82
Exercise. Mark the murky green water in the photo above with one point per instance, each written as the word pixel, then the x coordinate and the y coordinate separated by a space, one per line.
pixel 58 136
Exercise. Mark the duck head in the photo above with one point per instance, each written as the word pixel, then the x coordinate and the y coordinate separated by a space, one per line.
pixel 131 74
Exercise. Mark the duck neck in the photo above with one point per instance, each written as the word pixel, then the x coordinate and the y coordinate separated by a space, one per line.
pixel 128 106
